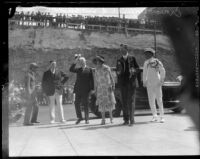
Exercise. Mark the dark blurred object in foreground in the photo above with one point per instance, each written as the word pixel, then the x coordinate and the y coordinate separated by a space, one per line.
pixel 184 33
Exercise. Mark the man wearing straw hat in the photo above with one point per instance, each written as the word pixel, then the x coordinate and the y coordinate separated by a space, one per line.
pixel 153 79
pixel 30 87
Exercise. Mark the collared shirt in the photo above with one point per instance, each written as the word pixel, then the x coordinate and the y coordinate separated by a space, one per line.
pixel 125 56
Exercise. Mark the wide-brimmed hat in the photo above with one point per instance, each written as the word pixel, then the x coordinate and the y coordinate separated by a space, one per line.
pixel 149 50
pixel 98 58
pixel 33 65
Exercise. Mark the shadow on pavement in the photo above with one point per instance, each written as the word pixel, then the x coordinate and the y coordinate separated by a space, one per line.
pixel 74 119
pixel 77 126
pixel 98 126
pixel 191 128
pixel 54 125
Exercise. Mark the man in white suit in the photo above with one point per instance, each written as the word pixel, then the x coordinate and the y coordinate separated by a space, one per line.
pixel 153 79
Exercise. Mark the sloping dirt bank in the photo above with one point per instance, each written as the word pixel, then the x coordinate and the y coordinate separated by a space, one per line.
pixel 43 45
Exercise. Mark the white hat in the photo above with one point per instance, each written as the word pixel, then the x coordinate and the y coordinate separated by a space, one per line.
pixel 149 50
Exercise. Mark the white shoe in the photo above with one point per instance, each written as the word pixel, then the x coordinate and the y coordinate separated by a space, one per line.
pixel 162 120
pixel 63 121
pixel 154 119
pixel 52 122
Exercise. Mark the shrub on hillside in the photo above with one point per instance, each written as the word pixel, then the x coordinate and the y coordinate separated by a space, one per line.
pixel 16 101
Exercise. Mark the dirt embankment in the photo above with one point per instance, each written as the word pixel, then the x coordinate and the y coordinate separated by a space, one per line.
pixel 42 45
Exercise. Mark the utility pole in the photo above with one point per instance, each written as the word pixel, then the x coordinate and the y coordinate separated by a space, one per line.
pixel 155 37
pixel 119 12
pixel 119 25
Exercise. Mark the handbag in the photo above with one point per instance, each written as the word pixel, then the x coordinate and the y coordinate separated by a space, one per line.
pixel 112 97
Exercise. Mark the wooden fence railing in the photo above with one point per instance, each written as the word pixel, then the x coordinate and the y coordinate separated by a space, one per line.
pixel 78 26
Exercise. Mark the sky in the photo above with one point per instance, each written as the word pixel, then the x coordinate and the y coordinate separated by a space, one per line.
pixel 130 13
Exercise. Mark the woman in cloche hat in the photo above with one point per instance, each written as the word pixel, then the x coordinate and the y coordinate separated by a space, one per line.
pixel 104 86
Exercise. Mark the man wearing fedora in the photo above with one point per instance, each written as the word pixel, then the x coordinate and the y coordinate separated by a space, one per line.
pixel 83 86
pixel 153 79
pixel 127 72
pixel 32 107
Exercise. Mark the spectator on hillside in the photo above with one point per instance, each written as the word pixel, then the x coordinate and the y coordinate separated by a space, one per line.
pixel 49 19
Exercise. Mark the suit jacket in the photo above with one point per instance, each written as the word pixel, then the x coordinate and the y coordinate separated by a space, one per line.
pixel 52 82
pixel 84 80
pixel 120 68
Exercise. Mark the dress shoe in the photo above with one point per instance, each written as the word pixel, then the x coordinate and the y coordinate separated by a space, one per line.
pixel 63 121
pixel 35 122
pixel 52 122
pixel 131 123
pixel 162 120
pixel 154 119
pixel 125 123
pixel 28 124
pixel 78 121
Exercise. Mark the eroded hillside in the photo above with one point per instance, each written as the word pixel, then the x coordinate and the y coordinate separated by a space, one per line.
pixel 44 44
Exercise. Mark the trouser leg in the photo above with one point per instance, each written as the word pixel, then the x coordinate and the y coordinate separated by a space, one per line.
pixel 131 104
pixel 52 107
pixel 60 106
pixel 28 111
pixel 35 110
pixel 124 93
pixel 85 104
pixel 152 97
pixel 111 115
pixel 159 100
pixel 103 113
pixel 77 105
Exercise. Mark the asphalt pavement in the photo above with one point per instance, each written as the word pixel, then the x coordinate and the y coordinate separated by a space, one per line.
pixel 177 136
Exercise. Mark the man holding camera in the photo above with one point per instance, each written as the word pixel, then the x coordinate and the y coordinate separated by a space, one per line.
pixel 83 86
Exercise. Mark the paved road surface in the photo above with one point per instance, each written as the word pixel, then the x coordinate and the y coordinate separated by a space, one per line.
pixel 177 136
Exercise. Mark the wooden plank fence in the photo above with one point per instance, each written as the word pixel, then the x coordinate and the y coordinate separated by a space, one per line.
pixel 78 26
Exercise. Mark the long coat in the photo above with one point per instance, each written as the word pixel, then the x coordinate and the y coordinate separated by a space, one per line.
pixel 84 80
pixel 132 65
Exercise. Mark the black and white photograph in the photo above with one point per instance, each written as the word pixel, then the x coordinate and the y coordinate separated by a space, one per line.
pixel 103 81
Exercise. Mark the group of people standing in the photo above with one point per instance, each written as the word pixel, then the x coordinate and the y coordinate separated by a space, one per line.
pixel 101 83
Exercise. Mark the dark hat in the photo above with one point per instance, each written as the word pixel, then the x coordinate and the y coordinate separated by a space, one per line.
pixel 150 50
pixel 98 58
pixel 33 65
pixel 124 46
pixel 52 61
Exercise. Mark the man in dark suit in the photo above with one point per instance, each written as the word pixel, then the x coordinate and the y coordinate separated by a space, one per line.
pixel 83 86
pixel 52 85
pixel 127 71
